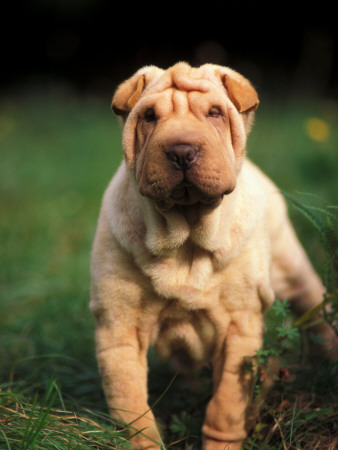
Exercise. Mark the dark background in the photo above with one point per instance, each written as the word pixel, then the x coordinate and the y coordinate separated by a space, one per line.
pixel 283 47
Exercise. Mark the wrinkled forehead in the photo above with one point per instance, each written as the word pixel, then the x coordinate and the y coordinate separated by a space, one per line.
pixel 185 78
pixel 180 88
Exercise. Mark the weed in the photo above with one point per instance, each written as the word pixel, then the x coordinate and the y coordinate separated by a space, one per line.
pixel 304 413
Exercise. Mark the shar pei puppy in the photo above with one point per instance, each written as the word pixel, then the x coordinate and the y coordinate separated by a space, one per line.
pixel 193 244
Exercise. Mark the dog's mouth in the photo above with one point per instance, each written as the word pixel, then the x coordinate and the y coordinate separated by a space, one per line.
pixel 187 194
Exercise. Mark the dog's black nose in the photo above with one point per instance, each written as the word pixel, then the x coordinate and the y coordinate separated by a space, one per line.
pixel 182 156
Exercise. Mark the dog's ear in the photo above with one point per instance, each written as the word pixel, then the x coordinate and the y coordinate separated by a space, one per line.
pixel 128 93
pixel 241 92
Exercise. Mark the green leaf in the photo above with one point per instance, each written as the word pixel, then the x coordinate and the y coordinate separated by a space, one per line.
pixel 289 333
pixel 281 308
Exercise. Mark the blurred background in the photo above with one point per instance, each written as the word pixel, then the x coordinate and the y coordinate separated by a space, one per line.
pixel 94 44
pixel 61 61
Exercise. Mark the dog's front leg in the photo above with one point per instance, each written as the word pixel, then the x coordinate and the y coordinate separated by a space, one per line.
pixel 225 421
pixel 121 349
pixel 123 367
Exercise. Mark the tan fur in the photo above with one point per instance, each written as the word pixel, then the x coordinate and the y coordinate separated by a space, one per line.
pixel 190 263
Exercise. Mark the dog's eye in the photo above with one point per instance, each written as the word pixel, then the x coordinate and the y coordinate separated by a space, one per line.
pixel 149 115
pixel 214 112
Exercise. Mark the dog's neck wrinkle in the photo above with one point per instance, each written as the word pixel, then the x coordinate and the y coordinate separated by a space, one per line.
pixel 166 231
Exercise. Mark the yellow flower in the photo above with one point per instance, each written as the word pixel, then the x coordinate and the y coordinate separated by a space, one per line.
pixel 317 129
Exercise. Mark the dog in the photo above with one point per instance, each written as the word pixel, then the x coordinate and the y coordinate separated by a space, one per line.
pixel 193 245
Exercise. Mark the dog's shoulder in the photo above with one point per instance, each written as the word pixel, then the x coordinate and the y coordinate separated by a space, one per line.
pixel 261 186
pixel 120 217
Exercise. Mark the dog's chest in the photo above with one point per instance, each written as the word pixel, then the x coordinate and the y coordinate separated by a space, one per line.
pixel 188 274
pixel 184 333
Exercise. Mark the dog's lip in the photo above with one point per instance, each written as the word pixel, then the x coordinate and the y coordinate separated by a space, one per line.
pixel 210 200
pixel 206 202
pixel 181 191
pixel 188 194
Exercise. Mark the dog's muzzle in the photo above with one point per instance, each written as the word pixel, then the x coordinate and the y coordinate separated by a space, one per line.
pixel 182 157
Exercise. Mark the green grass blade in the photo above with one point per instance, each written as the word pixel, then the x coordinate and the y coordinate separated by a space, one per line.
pixel 292 422
pixel 6 440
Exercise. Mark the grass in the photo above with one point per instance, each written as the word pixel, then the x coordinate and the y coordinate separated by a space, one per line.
pixel 57 154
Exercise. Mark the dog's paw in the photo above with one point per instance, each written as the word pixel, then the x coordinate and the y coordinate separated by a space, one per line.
pixel 212 444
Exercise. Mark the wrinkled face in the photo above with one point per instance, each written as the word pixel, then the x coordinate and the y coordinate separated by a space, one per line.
pixel 184 139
